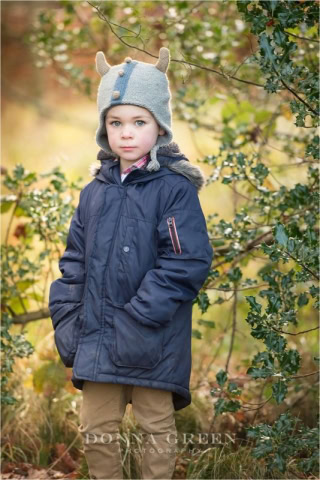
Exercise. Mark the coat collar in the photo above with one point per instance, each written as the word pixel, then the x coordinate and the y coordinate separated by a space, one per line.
pixel 168 156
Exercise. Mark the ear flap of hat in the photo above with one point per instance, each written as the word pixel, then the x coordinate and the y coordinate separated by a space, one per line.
pixel 164 59
pixel 102 65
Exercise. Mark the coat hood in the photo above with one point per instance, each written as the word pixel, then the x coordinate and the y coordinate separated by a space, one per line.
pixel 168 156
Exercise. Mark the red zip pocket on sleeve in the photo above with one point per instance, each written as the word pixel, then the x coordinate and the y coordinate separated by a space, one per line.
pixel 174 235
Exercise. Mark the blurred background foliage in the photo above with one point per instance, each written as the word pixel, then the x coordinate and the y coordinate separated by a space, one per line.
pixel 244 78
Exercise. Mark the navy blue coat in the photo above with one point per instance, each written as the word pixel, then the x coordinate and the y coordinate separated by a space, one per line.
pixel 137 254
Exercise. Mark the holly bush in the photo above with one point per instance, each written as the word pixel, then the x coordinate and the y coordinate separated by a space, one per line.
pixel 256 63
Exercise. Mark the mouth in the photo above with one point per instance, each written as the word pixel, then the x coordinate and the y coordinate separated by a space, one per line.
pixel 127 148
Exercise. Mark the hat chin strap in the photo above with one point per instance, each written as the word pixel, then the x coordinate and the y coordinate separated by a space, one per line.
pixel 153 165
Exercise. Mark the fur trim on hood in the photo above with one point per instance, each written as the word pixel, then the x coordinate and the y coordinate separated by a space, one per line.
pixel 169 156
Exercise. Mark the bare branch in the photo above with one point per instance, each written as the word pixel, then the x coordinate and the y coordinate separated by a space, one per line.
pixel 30 317
pixel 302 38
pixel 303 266
pixel 297 96
pixel 305 375
pixel 234 323
pixel 298 333
pixel 201 67
pixel 237 289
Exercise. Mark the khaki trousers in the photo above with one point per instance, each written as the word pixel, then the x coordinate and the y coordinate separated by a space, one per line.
pixel 103 407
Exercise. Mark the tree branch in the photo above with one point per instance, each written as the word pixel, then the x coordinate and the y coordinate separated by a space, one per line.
pixel 30 317
pixel 302 38
pixel 201 67
pixel 234 323
pixel 298 333
pixel 296 95
pixel 237 289
pixel 303 266
pixel 305 374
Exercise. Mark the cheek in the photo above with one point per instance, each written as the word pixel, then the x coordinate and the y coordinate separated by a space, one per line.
pixel 151 135
pixel 110 132
pixel 147 140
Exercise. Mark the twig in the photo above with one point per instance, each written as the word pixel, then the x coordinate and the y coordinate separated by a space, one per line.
pixel 302 38
pixel 297 96
pixel 202 67
pixel 237 289
pixel 302 265
pixel 31 316
pixel 298 333
pixel 234 323
pixel 305 375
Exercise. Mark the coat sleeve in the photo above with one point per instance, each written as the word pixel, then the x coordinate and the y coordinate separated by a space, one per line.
pixel 181 268
pixel 66 292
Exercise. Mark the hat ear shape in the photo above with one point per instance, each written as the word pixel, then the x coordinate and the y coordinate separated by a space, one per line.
pixel 102 65
pixel 164 59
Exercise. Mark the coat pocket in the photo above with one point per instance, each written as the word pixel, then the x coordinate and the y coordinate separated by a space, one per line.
pixel 174 235
pixel 67 334
pixel 135 345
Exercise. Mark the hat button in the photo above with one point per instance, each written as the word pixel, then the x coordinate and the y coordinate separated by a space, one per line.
pixel 128 59
pixel 116 94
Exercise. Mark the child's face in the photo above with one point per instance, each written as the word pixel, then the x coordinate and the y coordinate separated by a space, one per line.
pixel 131 126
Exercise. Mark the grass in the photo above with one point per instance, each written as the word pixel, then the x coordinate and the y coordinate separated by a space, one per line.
pixel 48 415
pixel 33 428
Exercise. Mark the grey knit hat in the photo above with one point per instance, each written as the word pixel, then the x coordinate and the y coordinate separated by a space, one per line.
pixel 136 83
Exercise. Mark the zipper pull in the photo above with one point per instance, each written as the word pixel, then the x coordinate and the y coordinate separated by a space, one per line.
pixel 174 235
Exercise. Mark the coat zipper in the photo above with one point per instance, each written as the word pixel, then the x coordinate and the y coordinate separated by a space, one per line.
pixel 174 235
pixel 113 240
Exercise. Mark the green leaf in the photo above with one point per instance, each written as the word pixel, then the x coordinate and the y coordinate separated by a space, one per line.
pixel 36 296
pixel 281 235
pixel 5 206
pixel 275 342
pixel 303 299
pixel 291 245
pixel 206 323
pixel 24 284
pixel 219 301
pixel 280 37
pixel 260 172
pixel 255 306
pixel 233 388
pixel 18 172
pixel 221 377
pixel 219 407
pixel 232 406
pixel 266 49
pixel 280 462
pixel 196 334
pixel 234 274
pixel 279 391
pixel 203 301
pixel 259 372
pixel 290 361
pixel 213 274
pixel 273 4
pixel 20 212
pixel 16 306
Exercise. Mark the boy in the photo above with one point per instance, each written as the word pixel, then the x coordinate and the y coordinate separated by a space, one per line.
pixel 137 255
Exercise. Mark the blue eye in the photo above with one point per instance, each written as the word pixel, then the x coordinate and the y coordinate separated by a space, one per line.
pixel 117 121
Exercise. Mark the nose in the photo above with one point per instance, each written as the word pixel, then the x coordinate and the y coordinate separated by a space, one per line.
pixel 126 132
